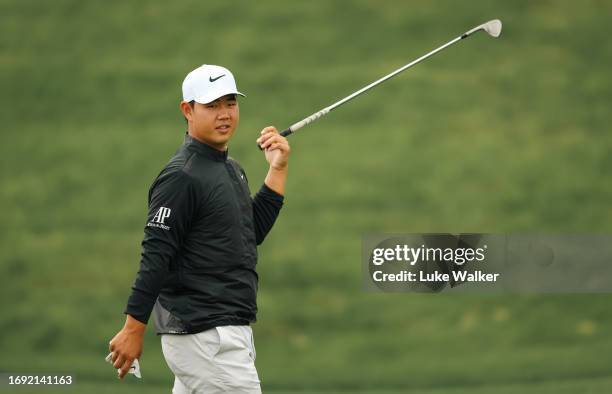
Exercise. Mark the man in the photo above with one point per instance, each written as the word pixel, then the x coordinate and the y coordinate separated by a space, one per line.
pixel 197 272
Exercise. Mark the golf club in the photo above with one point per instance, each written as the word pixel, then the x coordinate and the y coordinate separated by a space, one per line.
pixel 492 27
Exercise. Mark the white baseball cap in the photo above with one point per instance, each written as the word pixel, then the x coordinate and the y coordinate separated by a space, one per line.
pixel 207 83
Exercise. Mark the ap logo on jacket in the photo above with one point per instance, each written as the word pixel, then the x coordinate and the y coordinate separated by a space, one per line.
pixel 158 220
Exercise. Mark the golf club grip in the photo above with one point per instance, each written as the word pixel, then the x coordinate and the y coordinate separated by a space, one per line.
pixel 310 119
pixel 288 131
pixel 284 133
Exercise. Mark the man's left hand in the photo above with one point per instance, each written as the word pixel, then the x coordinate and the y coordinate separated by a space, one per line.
pixel 276 148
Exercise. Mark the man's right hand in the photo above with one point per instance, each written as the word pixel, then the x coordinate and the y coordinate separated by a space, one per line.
pixel 127 345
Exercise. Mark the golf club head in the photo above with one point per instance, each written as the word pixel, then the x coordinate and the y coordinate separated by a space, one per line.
pixel 492 27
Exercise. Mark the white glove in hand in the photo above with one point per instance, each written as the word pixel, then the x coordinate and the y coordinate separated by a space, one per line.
pixel 134 368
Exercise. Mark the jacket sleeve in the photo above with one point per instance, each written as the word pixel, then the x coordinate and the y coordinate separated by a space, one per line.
pixel 266 205
pixel 172 205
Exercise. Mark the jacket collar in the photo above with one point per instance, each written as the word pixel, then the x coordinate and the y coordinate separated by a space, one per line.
pixel 205 149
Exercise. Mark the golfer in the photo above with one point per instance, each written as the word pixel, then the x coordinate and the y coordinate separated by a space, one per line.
pixel 197 272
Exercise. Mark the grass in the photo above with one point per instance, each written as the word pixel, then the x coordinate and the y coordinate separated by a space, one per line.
pixel 489 136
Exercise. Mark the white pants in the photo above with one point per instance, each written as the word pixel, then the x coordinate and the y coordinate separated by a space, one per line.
pixel 219 360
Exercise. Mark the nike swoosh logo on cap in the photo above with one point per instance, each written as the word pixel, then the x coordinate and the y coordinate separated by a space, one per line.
pixel 211 79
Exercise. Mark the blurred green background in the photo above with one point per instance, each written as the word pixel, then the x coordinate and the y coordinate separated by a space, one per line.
pixel 508 135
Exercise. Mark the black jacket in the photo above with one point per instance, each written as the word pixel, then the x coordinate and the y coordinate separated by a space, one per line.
pixel 199 250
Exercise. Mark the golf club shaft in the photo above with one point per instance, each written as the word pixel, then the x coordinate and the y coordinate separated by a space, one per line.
pixel 296 126
pixel 492 27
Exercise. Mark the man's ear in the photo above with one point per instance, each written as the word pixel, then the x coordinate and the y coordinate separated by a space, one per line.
pixel 186 109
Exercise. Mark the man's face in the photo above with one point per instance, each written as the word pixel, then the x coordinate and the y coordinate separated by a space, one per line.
pixel 214 123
